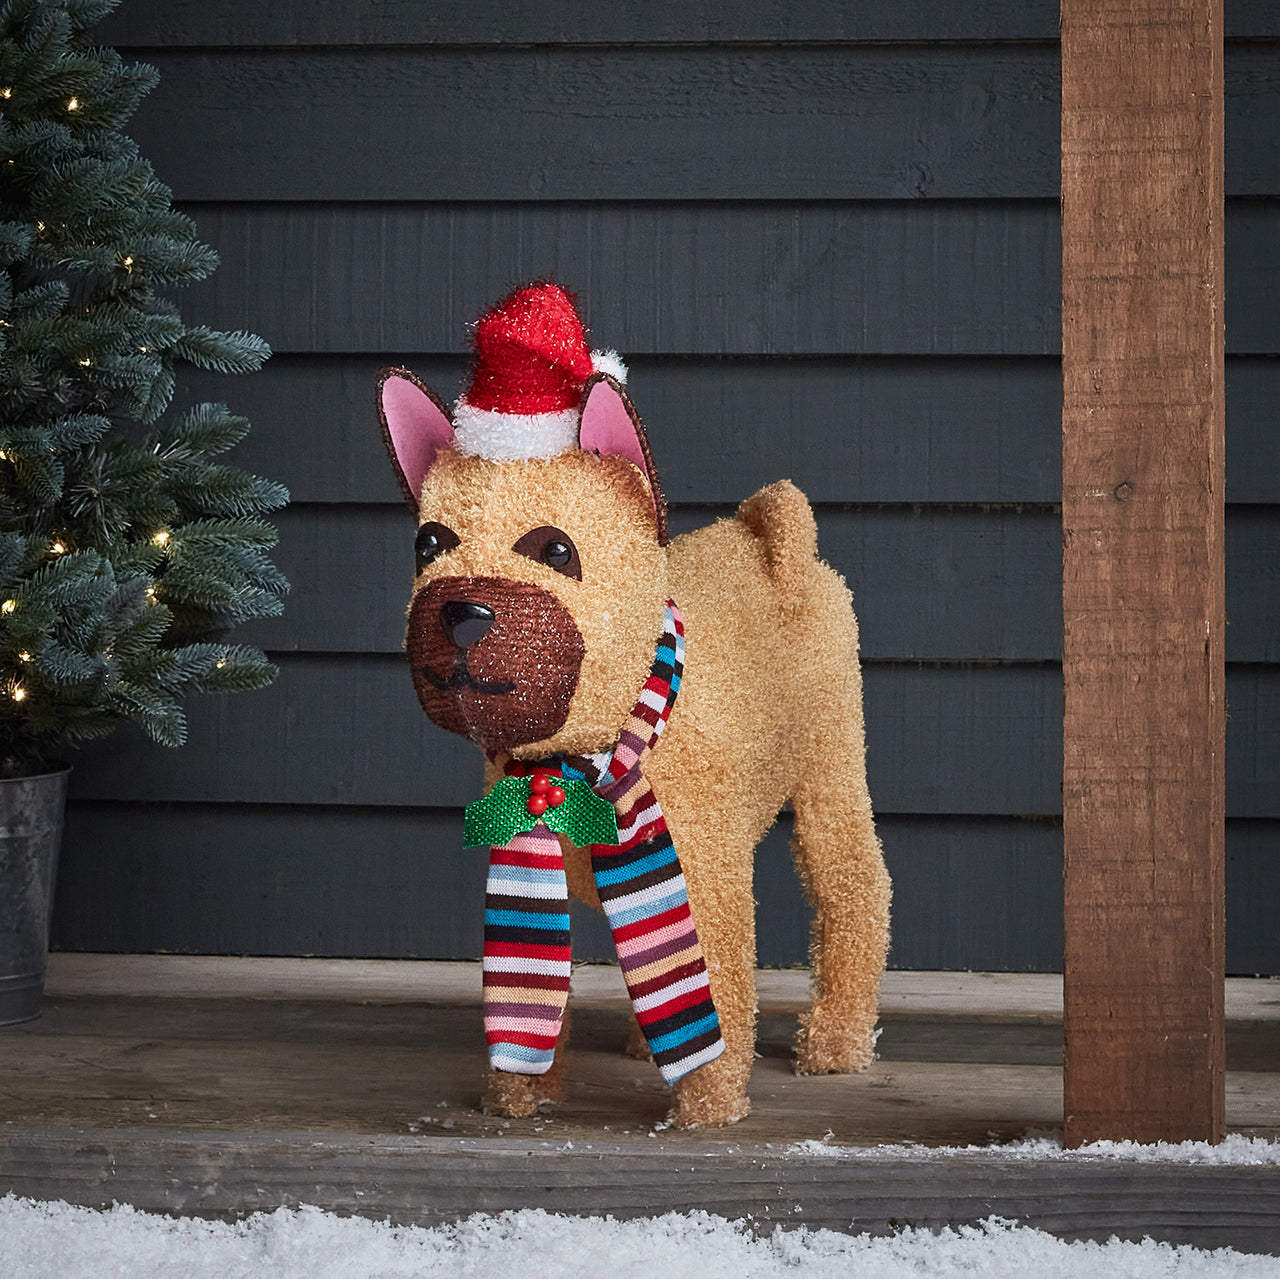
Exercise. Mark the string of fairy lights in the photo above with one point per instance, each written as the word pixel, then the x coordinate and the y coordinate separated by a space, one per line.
pixel 73 104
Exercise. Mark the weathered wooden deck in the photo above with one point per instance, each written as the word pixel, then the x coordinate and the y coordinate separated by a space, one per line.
pixel 222 1086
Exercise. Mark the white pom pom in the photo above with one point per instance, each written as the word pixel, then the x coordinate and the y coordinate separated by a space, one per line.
pixel 609 362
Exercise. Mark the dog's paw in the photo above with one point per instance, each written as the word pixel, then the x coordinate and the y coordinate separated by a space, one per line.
pixel 824 1046
pixel 707 1112
pixel 515 1096
pixel 711 1097
pixel 678 1117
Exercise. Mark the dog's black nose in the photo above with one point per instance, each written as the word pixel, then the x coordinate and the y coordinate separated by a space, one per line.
pixel 464 622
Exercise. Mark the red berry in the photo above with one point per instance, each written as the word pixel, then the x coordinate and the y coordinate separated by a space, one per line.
pixel 537 804
pixel 539 783
pixel 555 796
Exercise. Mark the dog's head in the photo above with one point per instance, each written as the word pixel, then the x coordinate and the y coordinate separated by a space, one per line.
pixel 540 577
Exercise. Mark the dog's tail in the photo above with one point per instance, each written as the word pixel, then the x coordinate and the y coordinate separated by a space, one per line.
pixel 780 518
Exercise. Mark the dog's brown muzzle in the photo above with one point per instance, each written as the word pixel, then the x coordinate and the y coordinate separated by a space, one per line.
pixel 493 659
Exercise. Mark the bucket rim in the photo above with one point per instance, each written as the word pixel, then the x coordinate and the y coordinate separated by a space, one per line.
pixel 32 777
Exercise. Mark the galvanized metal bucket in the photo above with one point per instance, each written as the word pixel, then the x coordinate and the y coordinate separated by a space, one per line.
pixel 31 810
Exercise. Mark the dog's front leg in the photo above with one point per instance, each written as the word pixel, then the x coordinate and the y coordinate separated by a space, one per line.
pixel 724 911
pixel 716 1094
pixel 519 1096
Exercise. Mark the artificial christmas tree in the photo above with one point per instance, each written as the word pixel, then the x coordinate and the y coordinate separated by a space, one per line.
pixel 126 552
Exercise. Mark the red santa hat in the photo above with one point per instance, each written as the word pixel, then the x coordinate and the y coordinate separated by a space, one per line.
pixel 532 361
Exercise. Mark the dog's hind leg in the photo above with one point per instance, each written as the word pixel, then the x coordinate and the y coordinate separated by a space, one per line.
pixel 839 859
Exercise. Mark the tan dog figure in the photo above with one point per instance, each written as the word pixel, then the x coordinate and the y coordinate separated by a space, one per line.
pixel 543 571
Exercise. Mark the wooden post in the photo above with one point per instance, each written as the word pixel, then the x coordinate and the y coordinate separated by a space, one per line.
pixel 1142 510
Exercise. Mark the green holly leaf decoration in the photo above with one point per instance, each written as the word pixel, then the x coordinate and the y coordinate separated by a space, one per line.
pixel 499 816
pixel 584 818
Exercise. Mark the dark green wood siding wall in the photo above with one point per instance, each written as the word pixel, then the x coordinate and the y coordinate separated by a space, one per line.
pixel 826 238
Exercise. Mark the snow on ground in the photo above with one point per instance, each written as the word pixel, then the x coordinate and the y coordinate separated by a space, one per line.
pixel 1235 1150
pixel 56 1241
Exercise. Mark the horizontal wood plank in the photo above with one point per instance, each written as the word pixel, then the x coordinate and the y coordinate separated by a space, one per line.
pixel 930 582
pixel 923 277
pixel 1253 741
pixel 885 278
pixel 347 729
pixel 1252 266
pixel 1253 443
pixel 1253 583
pixel 537 123
pixel 970 893
pixel 187 23
pixel 1253 888
pixel 1251 89
pixel 148 23
pixel 373 882
pixel 806 122
pixel 853 429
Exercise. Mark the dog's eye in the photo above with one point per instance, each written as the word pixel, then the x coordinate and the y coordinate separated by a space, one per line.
pixel 552 547
pixel 432 541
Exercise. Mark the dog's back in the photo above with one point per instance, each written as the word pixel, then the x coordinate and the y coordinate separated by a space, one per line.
pixel 772 643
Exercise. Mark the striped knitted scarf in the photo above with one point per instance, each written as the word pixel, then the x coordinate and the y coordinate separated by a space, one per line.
pixel 637 874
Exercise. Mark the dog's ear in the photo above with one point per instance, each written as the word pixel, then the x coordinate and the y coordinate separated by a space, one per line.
pixel 609 423
pixel 415 427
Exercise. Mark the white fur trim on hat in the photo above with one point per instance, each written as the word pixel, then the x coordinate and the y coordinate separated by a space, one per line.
pixel 610 362
pixel 511 437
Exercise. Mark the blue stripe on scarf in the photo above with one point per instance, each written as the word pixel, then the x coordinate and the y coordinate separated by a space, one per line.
pixel 522 1052
pixel 677 1037
pixel 619 919
pixel 632 870
pixel 527 875
pixel 527 919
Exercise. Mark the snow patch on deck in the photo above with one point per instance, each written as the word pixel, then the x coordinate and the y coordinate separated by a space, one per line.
pixel 1235 1150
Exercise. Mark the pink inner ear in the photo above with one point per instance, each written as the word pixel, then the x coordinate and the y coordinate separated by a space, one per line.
pixel 418 427
pixel 608 427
